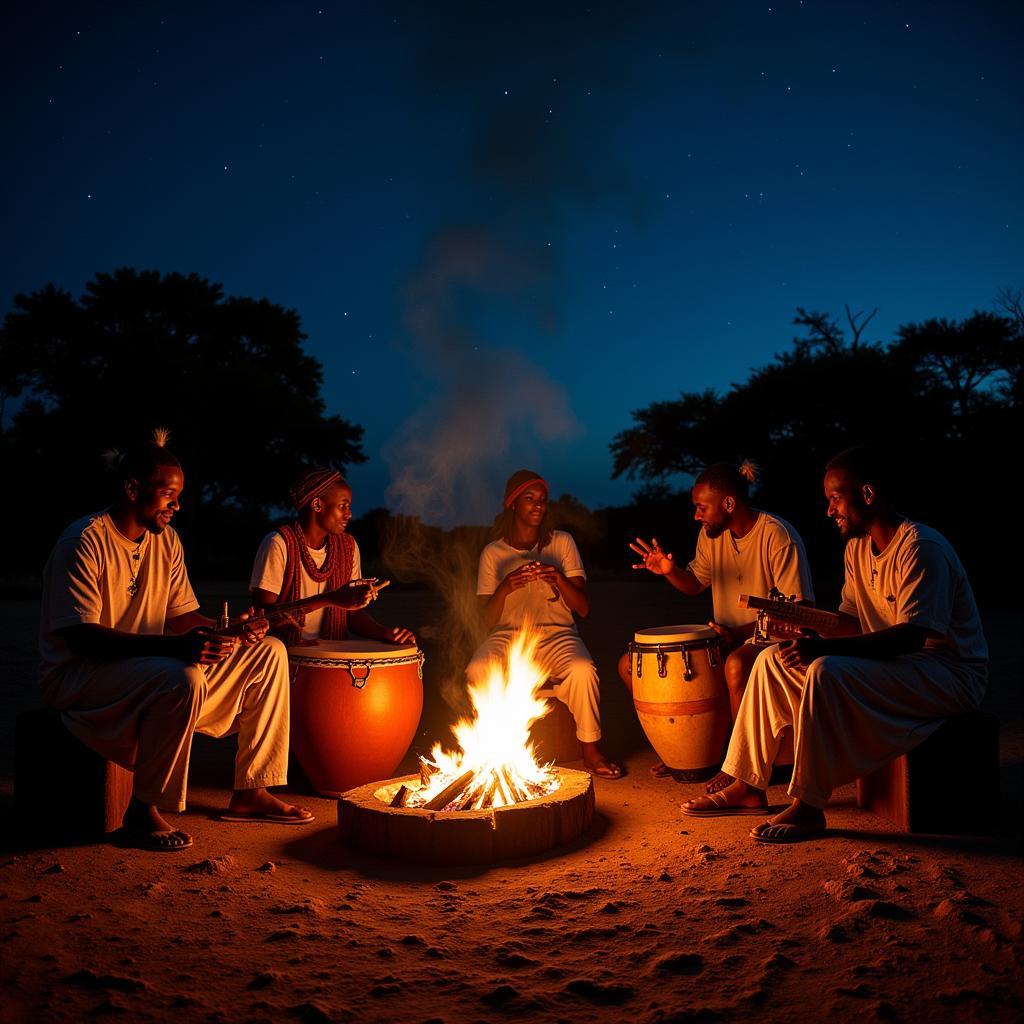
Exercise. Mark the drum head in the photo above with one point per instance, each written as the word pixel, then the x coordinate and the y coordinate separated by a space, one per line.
pixel 351 650
pixel 674 634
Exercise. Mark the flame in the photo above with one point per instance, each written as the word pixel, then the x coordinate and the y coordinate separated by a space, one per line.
pixel 494 744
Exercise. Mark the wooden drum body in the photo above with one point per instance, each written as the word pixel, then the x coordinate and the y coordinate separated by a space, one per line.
pixel 680 695
pixel 355 708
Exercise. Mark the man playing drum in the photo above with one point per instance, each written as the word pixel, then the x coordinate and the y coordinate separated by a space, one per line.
pixel 316 555
pixel 532 575
pixel 907 653
pixel 740 550
pixel 114 586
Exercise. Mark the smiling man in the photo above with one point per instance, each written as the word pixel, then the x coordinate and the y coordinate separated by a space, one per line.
pixel 114 586
pixel 315 556
pixel 909 652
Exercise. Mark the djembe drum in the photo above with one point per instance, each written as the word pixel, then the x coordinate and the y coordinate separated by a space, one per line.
pixel 680 695
pixel 355 707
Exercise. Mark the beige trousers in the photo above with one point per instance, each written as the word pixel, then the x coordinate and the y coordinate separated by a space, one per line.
pixel 141 713
pixel 848 716
pixel 564 657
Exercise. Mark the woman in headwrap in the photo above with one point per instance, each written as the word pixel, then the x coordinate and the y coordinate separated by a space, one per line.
pixel 315 555
pixel 532 574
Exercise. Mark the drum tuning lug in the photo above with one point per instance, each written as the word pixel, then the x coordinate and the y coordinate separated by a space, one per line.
pixel 662 663
pixel 359 681
pixel 639 664
pixel 419 665
pixel 713 657
pixel 687 668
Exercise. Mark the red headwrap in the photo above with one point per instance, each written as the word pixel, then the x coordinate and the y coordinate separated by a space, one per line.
pixel 312 484
pixel 519 482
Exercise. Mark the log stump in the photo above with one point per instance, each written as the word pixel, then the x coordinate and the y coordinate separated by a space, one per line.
pixel 369 825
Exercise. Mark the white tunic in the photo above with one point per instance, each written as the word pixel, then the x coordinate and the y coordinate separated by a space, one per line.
pixel 268 574
pixel 771 554
pixel 849 716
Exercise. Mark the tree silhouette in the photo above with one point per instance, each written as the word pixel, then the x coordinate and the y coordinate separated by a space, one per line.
pixel 944 398
pixel 228 376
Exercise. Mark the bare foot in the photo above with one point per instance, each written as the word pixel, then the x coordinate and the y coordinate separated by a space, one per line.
pixel 145 827
pixel 262 805
pixel 720 781
pixel 661 770
pixel 597 764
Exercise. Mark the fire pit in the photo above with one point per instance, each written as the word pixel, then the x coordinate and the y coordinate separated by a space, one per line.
pixel 488 800
pixel 369 824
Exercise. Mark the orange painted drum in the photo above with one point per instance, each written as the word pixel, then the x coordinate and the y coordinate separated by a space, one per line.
pixel 355 708
pixel 679 694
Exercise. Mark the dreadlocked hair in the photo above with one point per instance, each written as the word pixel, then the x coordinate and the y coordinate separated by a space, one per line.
pixel 140 462
pixel 735 481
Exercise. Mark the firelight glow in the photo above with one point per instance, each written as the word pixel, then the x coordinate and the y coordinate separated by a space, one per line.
pixel 495 743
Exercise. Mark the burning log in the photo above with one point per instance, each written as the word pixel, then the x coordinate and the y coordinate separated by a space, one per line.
pixel 427 771
pixel 401 797
pixel 449 793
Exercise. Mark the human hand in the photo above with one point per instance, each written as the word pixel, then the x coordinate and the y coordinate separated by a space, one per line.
pixel 201 647
pixel 726 636
pixel 400 635
pixel 256 627
pixel 797 655
pixel 552 577
pixel 355 595
pixel 523 576
pixel 654 559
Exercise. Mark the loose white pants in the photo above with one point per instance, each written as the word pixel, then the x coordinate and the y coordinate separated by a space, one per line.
pixel 141 713
pixel 564 656
pixel 848 716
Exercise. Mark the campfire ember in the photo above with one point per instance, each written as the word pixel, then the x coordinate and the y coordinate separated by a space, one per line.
pixel 495 764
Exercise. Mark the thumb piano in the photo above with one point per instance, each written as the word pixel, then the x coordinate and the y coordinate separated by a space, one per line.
pixel 778 609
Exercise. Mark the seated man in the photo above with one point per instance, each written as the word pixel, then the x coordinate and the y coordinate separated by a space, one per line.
pixel 315 555
pixel 909 652
pixel 113 586
pixel 740 550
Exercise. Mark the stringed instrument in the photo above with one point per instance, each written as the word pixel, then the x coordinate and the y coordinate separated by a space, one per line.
pixel 276 613
pixel 779 608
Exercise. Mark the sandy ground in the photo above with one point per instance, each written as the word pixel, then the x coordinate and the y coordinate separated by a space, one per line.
pixel 653 916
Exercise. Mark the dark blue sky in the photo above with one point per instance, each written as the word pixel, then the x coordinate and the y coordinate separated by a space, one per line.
pixel 507 226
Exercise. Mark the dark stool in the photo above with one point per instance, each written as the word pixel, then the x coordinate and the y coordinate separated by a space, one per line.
pixel 62 789
pixel 948 785
pixel 554 736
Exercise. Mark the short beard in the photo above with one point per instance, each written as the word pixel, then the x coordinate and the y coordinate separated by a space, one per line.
pixel 715 531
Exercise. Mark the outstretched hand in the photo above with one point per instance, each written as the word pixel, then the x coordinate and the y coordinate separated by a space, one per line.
pixel 654 559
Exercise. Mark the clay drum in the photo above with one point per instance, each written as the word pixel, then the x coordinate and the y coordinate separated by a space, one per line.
pixel 680 695
pixel 355 707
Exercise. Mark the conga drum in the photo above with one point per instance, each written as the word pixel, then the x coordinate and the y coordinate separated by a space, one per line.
pixel 355 708
pixel 680 695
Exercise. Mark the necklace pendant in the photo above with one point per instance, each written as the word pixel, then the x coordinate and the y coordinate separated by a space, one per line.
pixel 133 588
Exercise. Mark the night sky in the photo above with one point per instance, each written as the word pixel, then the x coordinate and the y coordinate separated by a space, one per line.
pixel 506 226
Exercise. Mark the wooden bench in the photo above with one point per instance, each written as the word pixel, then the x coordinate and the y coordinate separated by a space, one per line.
pixel 948 785
pixel 554 736
pixel 62 789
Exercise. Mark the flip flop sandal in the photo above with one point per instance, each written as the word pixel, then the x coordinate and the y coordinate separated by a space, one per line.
pixel 719 808
pixel 264 817
pixel 660 770
pixel 607 771
pixel 137 839
pixel 781 833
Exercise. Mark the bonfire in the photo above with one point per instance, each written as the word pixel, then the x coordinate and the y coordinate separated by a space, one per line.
pixel 494 765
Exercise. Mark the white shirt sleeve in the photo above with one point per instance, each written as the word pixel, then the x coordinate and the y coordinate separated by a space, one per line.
pixel 925 595
pixel 789 572
pixel 268 568
pixel 74 592
pixel 357 561
pixel 701 564
pixel 848 601
pixel 487 581
pixel 180 598
pixel 569 556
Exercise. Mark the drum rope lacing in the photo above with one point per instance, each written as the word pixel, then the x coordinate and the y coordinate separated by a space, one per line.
pixel 364 665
